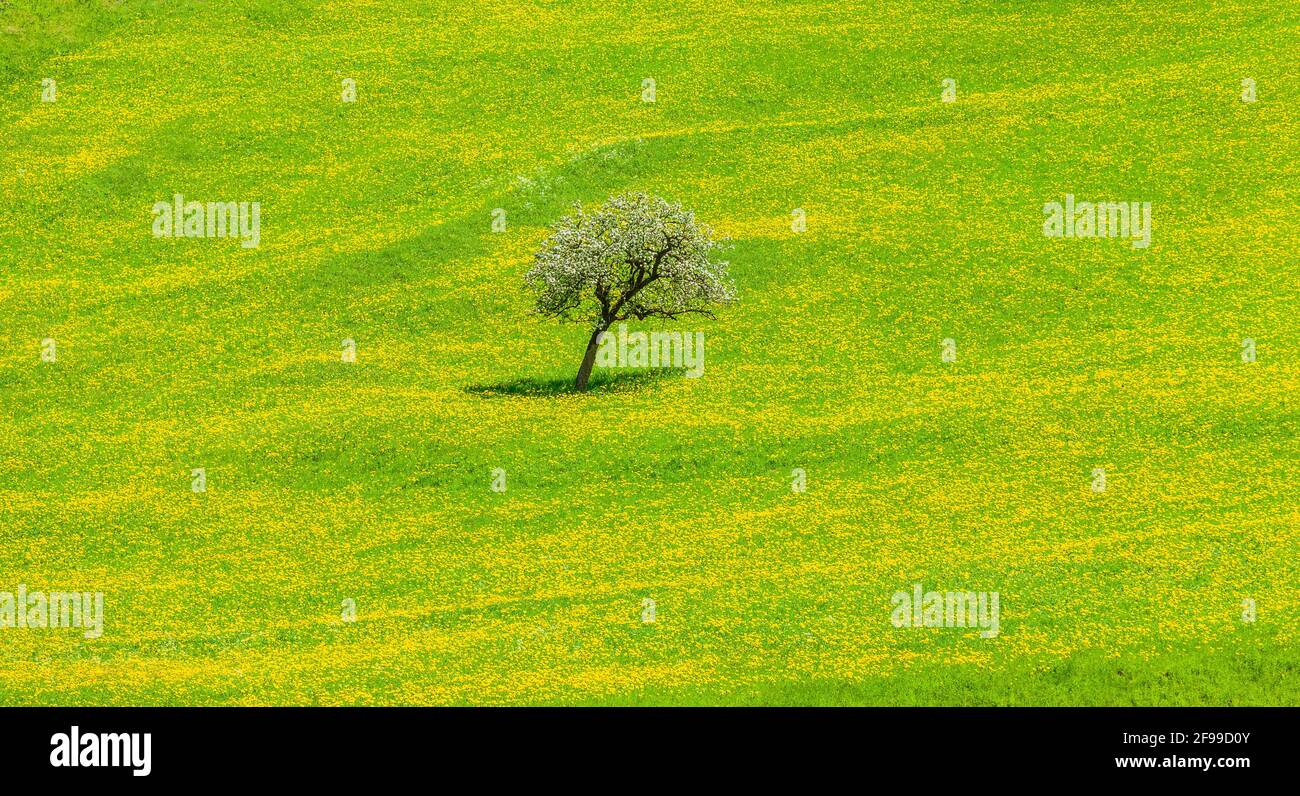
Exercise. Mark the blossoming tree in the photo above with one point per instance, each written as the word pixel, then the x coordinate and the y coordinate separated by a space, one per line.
pixel 636 256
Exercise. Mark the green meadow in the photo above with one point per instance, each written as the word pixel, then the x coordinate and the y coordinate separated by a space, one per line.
pixel 346 544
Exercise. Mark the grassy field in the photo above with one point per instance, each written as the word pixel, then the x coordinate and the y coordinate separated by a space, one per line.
pixel 370 481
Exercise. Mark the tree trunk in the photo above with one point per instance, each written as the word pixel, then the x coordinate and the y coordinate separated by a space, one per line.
pixel 589 359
